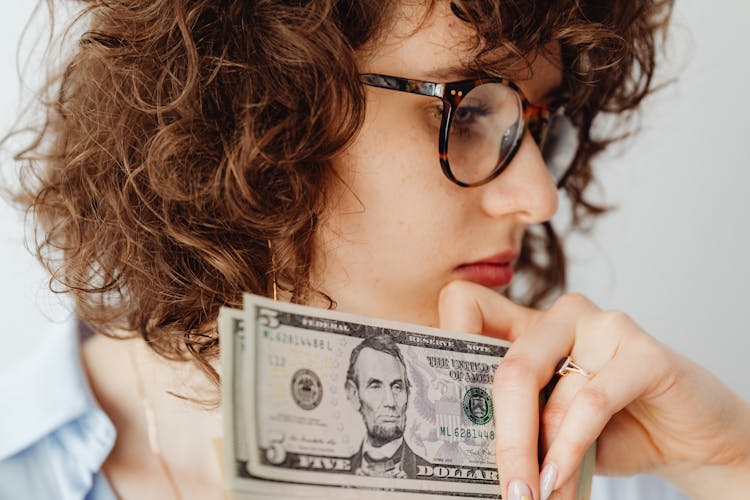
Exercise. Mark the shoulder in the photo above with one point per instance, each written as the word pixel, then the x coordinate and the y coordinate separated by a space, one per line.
pixel 356 459
pixel 408 452
pixel 54 438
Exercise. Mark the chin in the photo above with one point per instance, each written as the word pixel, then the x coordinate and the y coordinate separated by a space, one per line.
pixel 388 306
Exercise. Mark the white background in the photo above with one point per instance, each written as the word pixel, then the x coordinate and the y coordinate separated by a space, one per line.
pixel 675 255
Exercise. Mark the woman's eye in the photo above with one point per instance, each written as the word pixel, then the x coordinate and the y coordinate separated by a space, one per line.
pixel 437 111
pixel 433 117
pixel 468 115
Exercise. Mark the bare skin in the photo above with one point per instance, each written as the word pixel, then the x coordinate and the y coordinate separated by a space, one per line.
pixel 365 256
pixel 186 430
pixel 651 409
pixel 389 247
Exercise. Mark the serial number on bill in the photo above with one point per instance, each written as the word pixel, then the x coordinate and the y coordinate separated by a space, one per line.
pixel 468 432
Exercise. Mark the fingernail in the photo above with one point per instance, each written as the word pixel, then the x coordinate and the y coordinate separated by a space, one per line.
pixel 547 480
pixel 517 490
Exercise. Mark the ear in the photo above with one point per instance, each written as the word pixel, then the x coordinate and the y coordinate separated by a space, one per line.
pixel 352 394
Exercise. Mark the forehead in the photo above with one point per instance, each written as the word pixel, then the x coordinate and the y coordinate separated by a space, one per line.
pixel 415 33
pixel 422 44
pixel 372 363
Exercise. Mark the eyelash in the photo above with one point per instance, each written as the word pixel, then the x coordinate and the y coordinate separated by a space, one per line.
pixel 477 111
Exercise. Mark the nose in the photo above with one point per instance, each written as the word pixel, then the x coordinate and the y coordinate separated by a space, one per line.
pixel 389 399
pixel 524 190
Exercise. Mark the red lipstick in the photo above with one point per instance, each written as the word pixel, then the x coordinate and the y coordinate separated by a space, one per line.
pixel 494 271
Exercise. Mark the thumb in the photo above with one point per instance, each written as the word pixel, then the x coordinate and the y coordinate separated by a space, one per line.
pixel 465 306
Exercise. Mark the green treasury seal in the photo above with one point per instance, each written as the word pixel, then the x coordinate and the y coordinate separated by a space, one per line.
pixel 307 390
pixel 478 405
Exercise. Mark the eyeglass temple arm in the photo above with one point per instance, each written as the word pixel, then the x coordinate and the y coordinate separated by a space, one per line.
pixel 431 89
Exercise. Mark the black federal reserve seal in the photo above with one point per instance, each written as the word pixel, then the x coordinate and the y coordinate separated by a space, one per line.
pixel 478 405
pixel 307 390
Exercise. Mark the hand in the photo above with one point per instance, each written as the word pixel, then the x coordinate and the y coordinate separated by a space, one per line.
pixel 651 409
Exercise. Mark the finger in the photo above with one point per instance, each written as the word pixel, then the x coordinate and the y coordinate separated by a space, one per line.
pixel 464 306
pixel 597 340
pixel 553 414
pixel 553 336
pixel 526 368
pixel 516 427
pixel 566 491
pixel 619 383
pixel 557 406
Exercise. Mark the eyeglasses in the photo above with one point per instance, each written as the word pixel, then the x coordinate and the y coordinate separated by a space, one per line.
pixel 482 124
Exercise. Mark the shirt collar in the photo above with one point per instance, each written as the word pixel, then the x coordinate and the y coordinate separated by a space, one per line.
pixel 382 452
pixel 46 390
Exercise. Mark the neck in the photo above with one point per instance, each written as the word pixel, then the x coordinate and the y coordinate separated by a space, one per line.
pixel 115 386
pixel 383 450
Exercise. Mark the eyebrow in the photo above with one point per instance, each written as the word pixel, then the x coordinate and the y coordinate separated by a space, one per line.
pixel 374 380
pixel 449 73
pixel 446 73
pixel 462 72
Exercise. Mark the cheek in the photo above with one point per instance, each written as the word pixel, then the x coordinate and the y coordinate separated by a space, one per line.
pixel 371 400
pixel 396 191
pixel 402 399
pixel 388 156
pixel 395 151
pixel 386 244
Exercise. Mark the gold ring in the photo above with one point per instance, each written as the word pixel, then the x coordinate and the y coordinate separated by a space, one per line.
pixel 566 365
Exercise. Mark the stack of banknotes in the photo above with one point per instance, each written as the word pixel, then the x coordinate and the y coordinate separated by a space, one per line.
pixel 322 404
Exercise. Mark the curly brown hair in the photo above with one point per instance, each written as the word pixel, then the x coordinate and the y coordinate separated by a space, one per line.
pixel 180 138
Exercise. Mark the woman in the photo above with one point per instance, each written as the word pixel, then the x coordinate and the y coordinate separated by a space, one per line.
pixel 195 152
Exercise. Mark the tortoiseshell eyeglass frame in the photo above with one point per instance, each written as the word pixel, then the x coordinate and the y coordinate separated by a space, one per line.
pixel 534 117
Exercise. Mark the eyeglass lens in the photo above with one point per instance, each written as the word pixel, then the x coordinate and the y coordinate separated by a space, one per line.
pixel 487 125
pixel 559 145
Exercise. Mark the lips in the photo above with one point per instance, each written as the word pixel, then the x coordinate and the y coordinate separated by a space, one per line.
pixel 493 271
pixel 389 419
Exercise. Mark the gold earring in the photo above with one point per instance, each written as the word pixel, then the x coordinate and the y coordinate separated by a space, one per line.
pixel 273 268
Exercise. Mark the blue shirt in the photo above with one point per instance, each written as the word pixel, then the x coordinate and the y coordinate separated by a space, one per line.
pixel 54 438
